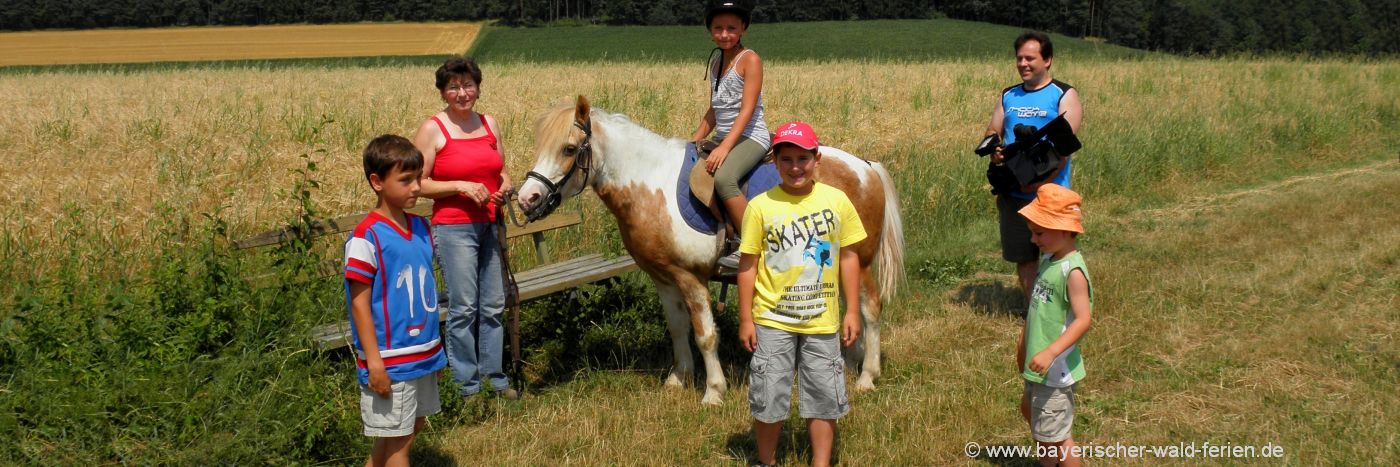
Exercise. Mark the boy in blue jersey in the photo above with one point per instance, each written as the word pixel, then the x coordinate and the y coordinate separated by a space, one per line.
pixel 392 297
pixel 1037 100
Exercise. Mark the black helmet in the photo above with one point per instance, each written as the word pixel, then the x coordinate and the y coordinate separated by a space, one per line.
pixel 719 7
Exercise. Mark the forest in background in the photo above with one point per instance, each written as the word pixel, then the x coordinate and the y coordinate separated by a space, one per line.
pixel 1210 27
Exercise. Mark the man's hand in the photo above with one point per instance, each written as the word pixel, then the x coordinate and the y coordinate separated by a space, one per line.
pixel 998 157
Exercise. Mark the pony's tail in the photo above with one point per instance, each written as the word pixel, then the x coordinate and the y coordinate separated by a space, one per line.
pixel 889 258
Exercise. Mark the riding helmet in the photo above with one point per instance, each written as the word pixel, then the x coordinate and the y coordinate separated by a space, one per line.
pixel 719 7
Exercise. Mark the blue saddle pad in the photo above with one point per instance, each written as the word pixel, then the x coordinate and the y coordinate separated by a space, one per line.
pixel 760 179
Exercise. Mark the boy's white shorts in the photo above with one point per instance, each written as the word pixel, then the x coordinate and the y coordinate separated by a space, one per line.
pixel 1052 412
pixel 393 416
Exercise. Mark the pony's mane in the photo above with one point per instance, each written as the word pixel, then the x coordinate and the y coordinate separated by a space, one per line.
pixel 555 125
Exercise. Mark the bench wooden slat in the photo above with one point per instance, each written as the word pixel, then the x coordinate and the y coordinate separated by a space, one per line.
pixel 347 222
pixel 533 284
pixel 609 268
pixel 548 223
pixel 565 266
pixel 530 282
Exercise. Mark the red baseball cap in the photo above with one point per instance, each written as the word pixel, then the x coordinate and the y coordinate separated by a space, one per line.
pixel 798 133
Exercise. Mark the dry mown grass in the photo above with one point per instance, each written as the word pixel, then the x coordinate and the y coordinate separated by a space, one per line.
pixel 234 43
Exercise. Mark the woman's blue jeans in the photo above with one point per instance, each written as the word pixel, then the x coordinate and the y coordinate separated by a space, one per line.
pixel 470 258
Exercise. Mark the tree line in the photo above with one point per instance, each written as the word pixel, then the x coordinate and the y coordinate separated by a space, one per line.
pixel 1206 26
pixel 1181 26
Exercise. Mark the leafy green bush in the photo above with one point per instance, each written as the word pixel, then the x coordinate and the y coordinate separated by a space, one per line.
pixel 183 362
pixel 169 354
pixel 613 324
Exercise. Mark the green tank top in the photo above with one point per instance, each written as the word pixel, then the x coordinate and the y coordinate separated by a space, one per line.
pixel 1049 315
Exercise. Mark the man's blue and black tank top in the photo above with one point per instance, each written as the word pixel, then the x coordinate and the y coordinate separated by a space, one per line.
pixel 1035 108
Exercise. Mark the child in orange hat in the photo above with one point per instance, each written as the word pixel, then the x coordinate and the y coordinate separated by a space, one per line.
pixel 1047 354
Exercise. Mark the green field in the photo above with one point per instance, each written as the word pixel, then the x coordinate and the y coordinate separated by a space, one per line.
pixel 880 41
pixel 1240 237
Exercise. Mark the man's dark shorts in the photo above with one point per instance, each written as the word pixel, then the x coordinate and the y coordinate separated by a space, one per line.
pixel 1016 243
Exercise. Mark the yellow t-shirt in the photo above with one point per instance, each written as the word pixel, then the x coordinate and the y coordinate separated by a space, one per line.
pixel 798 241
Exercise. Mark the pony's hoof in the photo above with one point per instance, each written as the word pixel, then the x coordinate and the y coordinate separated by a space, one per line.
pixel 674 382
pixel 865 384
pixel 711 399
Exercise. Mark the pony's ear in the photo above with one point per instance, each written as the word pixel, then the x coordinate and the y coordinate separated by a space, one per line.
pixel 581 109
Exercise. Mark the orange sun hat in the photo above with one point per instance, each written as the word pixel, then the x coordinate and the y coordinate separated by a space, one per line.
pixel 1055 207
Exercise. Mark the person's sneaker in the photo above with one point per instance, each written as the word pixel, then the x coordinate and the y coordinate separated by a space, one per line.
pixel 730 261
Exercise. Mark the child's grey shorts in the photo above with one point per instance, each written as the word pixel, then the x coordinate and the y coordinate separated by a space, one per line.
pixel 393 416
pixel 1052 412
pixel 821 381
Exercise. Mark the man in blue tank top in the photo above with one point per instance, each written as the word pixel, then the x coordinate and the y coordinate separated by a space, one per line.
pixel 1036 101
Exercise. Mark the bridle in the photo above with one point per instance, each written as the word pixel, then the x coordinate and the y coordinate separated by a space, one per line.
pixel 583 160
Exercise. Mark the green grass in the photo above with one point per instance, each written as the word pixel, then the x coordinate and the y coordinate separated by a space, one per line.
pixel 876 40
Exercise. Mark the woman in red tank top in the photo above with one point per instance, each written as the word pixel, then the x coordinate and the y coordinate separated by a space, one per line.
pixel 462 173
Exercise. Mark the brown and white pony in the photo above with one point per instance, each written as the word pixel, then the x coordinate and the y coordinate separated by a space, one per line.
pixel 634 172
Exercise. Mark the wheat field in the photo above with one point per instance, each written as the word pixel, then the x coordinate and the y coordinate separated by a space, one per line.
pixel 123 144
pixel 234 43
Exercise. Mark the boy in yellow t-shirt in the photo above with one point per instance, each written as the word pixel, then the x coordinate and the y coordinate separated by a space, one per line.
pixel 791 267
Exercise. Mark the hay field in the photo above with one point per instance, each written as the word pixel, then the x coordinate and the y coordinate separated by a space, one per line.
pixel 201 140
pixel 234 43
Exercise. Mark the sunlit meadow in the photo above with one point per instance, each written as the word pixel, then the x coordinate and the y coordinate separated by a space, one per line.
pixel 95 165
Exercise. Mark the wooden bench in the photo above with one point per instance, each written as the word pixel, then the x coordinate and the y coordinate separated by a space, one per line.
pixel 545 279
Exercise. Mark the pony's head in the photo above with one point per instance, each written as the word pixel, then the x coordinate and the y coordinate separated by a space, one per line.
pixel 563 159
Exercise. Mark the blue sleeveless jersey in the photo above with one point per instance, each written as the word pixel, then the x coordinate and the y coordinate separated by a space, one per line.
pixel 1035 108
pixel 398 266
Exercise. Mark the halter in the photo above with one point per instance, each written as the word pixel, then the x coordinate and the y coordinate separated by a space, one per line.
pixel 583 160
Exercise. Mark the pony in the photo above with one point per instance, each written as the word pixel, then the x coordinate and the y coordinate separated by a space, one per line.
pixel 634 172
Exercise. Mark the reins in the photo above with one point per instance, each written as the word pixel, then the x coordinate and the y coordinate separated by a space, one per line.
pixel 583 160
pixel 512 291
